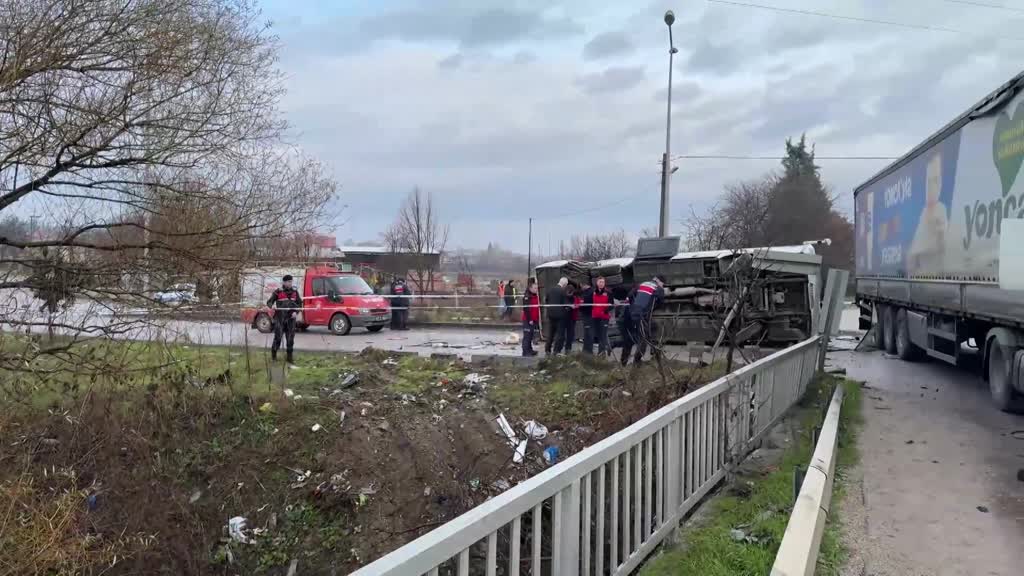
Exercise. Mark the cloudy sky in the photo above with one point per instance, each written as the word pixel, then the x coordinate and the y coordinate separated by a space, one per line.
pixel 507 109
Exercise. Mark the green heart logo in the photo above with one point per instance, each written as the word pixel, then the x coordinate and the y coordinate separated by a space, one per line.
pixel 1008 146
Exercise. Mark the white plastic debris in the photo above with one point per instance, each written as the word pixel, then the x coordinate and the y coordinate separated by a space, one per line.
pixel 390 362
pixel 520 453
pixel 536 430
pixel 507 430
pixel 236 529
pixel 316 428
pixel 475 378
pixel 511 338
pixel 288 393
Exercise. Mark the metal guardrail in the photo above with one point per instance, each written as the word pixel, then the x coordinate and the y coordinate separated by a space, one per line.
pixel 798 552
pixel 603 510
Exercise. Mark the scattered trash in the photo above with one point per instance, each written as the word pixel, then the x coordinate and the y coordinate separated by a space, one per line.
pixel 551 454
pixel 50 442
pixel 506 429
pixel 626 393
pixel 316 428
pixel 384 426
pixel 293 567
pixel 389 362
pixel 426 491
pixel 909 442
pixel 236 529
pixel 474 484
pixel 408 398
pixel 438 344
pixel 288 393
pixel 272 521
pixel 536 430
pixel 91 503
pixel 983 509
pixel 737 535
pixel 520 453
pixel 511 338
pixel 266 408
pixel 350 380
pixel 341 419
pixel 195 497
pixel 475 378
pixel 502 484
pixel 368 490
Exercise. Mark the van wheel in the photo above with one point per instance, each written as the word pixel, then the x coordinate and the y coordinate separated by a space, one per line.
pixel 999 364
pixel 905 349
pixel 374 328
pixel 889 326
pixel 340 324
pixel 264 323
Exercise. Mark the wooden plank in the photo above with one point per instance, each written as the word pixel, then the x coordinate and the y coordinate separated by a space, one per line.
pixel 492 554
pixel 600 536
pixel 513 557
pixel 537 536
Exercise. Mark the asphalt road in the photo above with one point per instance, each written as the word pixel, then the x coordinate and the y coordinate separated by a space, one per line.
pixel 937 491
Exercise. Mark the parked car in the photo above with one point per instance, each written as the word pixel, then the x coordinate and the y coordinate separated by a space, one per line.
pixel 177 294
pixel 332 298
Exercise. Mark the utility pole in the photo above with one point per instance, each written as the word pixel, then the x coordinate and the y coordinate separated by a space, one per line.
pixel 666 170
pixel 529 254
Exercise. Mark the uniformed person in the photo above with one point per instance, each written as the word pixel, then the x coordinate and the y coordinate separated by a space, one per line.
pixel 286 302
pixel 636 322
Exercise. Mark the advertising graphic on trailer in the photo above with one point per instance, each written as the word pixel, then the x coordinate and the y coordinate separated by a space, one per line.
pixel 939 216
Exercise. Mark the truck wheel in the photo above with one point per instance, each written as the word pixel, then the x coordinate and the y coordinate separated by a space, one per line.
pixel 905 349
pixel 340 324
pixel 374 328
pixel 889 327
pixel 264 323
pixel 999 373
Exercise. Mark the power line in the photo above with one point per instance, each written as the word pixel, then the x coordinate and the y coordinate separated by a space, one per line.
pixel 735 157
pixel 986 5
pixel 860 19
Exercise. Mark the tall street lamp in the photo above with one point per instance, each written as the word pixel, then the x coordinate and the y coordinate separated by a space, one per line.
pixel 666 172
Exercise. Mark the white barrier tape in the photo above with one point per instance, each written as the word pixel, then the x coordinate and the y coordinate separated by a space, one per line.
pixel 263 307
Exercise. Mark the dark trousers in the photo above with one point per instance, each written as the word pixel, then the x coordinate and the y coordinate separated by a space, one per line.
pixel 569 328
pixel 555 336
pixel 639 331
pixel 284 326
pixel 528 330
pixel 399 318
pixel 596 331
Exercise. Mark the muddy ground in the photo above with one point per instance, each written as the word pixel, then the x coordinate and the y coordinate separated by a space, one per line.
pixel 144 477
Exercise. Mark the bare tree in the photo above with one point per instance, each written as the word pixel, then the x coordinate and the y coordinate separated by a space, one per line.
pixel 591 248
pixel 417 230
pixel 150 132
pixel 738 220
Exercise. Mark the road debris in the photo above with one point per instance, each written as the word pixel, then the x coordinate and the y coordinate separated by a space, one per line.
pixel 511 339
pixel 293 567
pixel 520 453
pixel 349 380
pixel 236 529
pixel 389 362
pixel 506 429
pixel 267 408
pixel 316 428
pixel 288 393
pixel 983 509
pixel 502 484
pixel 195 497
pixel 535 430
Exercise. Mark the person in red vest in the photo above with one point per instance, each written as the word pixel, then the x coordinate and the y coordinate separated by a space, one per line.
pixel 597 312
pixel 531 316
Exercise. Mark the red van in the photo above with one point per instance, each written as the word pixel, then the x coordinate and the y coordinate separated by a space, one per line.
pixel 332 298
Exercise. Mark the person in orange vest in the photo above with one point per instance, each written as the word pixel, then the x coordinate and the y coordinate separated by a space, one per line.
pixel 597 312
pixel 531 316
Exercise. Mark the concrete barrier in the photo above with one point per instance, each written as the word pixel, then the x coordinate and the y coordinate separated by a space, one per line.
pixel 798 553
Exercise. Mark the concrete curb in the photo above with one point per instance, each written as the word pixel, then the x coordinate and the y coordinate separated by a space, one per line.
pixel 798 552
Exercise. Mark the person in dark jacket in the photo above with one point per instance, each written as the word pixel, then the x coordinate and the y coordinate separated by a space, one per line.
pixel 531 316
pixel 401 295
pixel 573 300
pixel 557 303
pixel 597 306
pixel 286 303
pixel 510 300
pixel 636 322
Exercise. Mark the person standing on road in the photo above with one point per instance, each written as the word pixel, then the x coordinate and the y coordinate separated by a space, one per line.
pixel 573 298
pixel 286 302
pixel 636 324
pixel 597 307
pixel 501 298
pixel 556 302
pixel 531 316
pixel 510 299
pixel 401 295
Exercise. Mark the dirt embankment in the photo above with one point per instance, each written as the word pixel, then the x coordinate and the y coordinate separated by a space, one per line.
pixel 327 474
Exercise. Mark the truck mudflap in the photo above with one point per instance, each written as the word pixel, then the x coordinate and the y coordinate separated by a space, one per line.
pixel 368 320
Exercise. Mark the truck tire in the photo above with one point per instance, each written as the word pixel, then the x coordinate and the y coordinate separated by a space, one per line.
pixel 1000 359
pixel 905 348
pixel 264 323
pixel 340 324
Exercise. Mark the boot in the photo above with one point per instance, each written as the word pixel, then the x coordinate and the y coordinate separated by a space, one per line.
pixel 291 360
pixel 273 355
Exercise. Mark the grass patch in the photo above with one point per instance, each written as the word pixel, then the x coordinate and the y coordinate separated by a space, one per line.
pixel 760 505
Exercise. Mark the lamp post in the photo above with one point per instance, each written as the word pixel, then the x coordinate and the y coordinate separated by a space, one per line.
pixel 666 172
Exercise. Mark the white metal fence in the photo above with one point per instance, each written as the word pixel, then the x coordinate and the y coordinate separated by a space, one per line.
pixel 602 511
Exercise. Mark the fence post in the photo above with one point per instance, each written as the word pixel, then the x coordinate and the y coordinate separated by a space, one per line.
pixel 570 537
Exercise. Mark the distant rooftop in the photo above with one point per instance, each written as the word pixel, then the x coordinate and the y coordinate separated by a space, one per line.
pixel 378 250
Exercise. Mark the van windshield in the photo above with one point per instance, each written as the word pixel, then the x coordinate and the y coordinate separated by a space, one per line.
pixel 348 285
